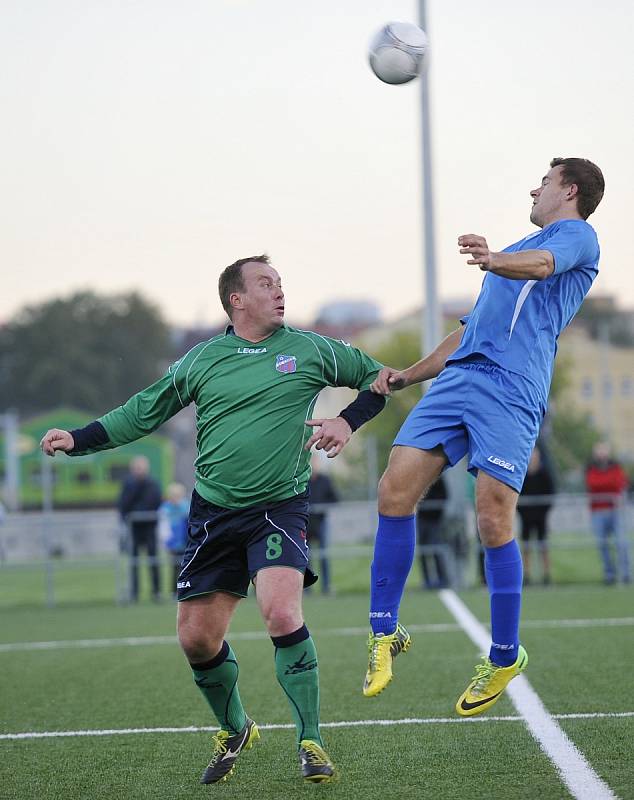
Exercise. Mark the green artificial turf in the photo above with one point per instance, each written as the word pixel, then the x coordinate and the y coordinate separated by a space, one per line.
pixel 580 669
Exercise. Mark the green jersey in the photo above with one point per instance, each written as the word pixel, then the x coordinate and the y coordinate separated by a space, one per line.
pixel 252 402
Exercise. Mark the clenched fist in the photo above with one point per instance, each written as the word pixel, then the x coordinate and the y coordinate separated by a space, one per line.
pixel 54 440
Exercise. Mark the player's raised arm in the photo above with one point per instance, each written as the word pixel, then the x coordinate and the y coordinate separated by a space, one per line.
pixel 520 266
pixel 142 414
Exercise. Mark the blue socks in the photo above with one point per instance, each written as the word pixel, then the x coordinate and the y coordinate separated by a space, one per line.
pixel 503 569
pixel 393 556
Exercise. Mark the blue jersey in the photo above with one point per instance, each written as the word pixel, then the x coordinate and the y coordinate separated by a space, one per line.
pixel 515 323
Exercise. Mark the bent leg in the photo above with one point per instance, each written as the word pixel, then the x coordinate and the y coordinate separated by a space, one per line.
pixel 202 624
pixel 495 505
pixel 409 475
pixel 279 595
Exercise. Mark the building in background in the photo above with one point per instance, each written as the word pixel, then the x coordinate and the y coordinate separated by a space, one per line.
pixel 92 481
pixel 600 382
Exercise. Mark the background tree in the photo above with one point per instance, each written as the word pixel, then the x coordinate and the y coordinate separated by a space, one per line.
pixel 568 432
pixel 87 351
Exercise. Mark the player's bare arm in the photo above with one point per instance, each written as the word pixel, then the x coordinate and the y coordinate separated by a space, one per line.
pixel 524 265
pixel 55 440
pixel 331 435
pixel 389 379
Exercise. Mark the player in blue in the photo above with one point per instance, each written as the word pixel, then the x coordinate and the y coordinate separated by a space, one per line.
pixel 488 402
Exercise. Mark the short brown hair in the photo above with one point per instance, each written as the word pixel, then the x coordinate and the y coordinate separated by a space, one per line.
pixel 231 279
pixel 588 178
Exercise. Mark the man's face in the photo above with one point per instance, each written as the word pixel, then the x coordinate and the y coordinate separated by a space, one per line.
pixel 140 467
pixel 601 452
pixel 550 199
pixel 263 299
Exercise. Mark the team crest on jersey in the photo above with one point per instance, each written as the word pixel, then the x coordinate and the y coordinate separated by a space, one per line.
pixel 285 364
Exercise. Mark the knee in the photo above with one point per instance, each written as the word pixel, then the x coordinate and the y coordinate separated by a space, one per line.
pixel 280 621
pixel 493 527
pixel 396 498
pixel 198 645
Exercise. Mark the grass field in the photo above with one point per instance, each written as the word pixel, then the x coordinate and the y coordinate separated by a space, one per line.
pixel 581 645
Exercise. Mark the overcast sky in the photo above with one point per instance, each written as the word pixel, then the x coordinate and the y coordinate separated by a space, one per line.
pixel 146 144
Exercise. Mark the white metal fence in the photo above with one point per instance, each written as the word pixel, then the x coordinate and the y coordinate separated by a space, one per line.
pixel 44 541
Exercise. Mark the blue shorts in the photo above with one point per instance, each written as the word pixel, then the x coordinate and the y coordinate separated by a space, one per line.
pixel 477 408
pixel 227 547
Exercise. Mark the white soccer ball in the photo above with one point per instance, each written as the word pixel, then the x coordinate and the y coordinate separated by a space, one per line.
pixel 397 52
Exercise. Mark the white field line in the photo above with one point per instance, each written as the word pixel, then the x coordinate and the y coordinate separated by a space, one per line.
pixel 576 773
pixel 144 641
pixel 355 723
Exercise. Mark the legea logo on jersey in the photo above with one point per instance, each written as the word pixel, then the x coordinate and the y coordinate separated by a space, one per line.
pixel 500 462
pixel 285 364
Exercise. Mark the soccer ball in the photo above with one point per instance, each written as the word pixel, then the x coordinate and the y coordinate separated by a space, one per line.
pixel 397 51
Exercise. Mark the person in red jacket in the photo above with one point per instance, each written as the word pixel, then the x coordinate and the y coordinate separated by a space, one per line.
pixel 606 484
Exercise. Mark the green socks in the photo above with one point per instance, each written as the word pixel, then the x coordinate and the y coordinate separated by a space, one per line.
pixel 218 681
pixel 298 674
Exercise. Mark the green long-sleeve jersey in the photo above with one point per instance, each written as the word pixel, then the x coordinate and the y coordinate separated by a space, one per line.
pixel 252 402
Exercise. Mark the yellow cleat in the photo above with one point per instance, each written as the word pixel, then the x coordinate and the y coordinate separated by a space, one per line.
pixel 227 748
pixel 488 684
pixel 382 650
pixel 315 762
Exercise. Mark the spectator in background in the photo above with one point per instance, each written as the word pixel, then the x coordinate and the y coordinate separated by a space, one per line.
pixel 533 507
pixel 322 492
pixel 175 510
pixel 139 502
pixel 606 484
pixel 429 529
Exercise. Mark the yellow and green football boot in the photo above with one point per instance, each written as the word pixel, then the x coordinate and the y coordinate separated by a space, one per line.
pixel 382 650
pixel 315 762
pixel 227 748
pixel 488 684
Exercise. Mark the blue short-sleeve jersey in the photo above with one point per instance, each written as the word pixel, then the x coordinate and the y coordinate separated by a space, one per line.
pixel 517 323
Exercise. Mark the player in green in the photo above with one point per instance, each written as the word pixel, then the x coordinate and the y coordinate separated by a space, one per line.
pixel 255 387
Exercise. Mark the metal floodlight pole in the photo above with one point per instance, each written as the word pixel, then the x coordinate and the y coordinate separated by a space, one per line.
pixel 431 329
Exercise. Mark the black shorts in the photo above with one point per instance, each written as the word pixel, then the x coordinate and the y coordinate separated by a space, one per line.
pixel 227 547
